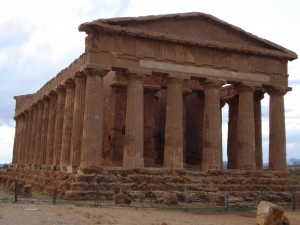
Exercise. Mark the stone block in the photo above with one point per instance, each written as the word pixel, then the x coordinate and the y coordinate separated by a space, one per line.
pixel 269 214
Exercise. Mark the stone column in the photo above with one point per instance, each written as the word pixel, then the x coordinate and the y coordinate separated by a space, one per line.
pixel 25 140
pixel 43 146
pixel 51 128
pixel 20 151
pixel 33 134
pixel 150 109
pixel 277 141
pixel 232 148
pixel 91 155
pixel 38 136
pixel 212 133
pixel 67 125
pixel 173 150
pixel 258 96
pixel 15 157
pixel 28 136
pixel 78 115
pixel 133 155
pixel 59 121
pixel 246 129
pixel 16 140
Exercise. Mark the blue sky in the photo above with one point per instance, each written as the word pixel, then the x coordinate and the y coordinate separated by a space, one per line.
pixel 39 38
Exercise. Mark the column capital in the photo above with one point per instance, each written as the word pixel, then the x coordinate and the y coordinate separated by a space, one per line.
pixel 52 95
pixel 39 102
pixel 281 91
pixel 34 106
pixel 60 89
pixel 95 72
pixel 213 83
pixel 69 84
pixel 79 77
pixel 46 99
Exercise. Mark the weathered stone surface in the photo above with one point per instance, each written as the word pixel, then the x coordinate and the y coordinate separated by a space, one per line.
pixel 122 199
pixel 269 214
pixel 170 199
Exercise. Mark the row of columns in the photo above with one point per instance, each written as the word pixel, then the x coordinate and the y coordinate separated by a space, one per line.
pixel 65 128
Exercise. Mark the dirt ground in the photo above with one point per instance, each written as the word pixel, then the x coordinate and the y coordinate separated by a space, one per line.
pixel 42 213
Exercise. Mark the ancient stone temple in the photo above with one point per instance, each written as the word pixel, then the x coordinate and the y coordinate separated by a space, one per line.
pixel 141 109
pixel 149 91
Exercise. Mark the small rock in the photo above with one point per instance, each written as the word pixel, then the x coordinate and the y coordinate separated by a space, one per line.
pixel 269 214
pixel 121 199
pixel 170 199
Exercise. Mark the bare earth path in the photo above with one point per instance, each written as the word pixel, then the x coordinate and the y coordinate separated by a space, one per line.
pixel 46 214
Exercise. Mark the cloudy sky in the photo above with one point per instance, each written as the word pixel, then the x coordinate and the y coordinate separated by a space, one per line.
pixel 38 38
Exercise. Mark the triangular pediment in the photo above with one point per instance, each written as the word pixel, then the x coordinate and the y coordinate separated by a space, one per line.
pixel 198 28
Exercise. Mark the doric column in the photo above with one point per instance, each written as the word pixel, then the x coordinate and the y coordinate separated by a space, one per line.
pixel 28 136
pixel 246 129
pixel 91 155
pixel 33 134
pixel 67 126
pixel 43 145
pixel 59 121
pixel 38 136
pixel 232 148
pixel 277 141
pixel 16 139
pixel 133 155
pixel 78 114
pixel 25 140
pixel 51 128
pixel 14 160
pixel 212 133
pixel 258 96
pixel 21 139
pixel 150 109
pixel 173 150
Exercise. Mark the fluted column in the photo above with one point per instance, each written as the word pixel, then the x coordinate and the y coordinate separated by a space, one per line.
pixel 38 136
pixel 78 115
pixel 22 139
pixel 277 141
pixel 33 134
pixel 133 155
pixel 91 155
pixel 212 133
pixel 258 96
pixel 67 126
pixel 51 128
pixel 59 121
pixel 246 129
pixel 28 136
pixel 173 150
pixel 43 145
pixel 25 140
pixel 16 142
pixel 232 148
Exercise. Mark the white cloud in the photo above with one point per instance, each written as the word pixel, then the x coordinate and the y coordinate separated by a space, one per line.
pixel 6 143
